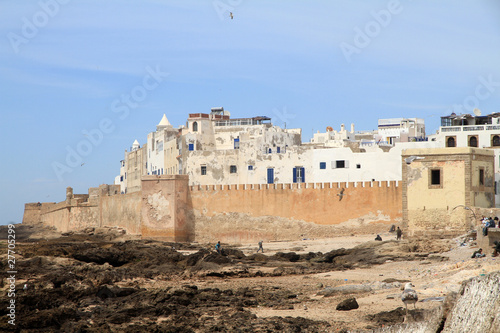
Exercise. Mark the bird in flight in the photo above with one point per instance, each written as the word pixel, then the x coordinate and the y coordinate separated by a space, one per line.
pixel 409 296
pixel 341 194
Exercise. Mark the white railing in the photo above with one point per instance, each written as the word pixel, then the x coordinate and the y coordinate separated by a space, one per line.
pixel 451 129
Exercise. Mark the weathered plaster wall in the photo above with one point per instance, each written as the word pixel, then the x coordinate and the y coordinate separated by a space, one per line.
pixel 163 208
pixel 431 209
pixel 361 203
pixel 123 210
pixel 57 217
pixel 82 216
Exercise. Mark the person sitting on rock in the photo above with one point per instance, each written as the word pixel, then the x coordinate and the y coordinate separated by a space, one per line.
pixel 478 254
pixel 378 238
pixel 218 247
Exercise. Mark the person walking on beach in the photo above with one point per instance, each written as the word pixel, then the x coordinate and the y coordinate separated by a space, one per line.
pixel 260 247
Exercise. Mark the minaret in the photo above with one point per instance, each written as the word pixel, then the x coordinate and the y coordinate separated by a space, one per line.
pixel 163 123
pixel 136 145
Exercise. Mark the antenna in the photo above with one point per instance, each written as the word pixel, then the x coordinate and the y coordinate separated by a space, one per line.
pixel 477 112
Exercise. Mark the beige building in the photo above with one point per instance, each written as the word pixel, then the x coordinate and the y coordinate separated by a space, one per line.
pixel 442 185
pixel 132 168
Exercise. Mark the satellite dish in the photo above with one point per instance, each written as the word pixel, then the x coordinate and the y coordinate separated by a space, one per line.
pixel 477 112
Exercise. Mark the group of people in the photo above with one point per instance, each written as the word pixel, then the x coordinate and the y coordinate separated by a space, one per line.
pixel 489 222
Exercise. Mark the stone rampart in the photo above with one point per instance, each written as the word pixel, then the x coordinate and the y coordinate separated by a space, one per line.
pixel 252 212
pixel 167 208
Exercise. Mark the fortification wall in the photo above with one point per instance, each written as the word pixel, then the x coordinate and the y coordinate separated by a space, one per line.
pixel 33 211
pixel 122 210
pixel 244 206
pixel 57 217
pixel 82 216
pixel 166 210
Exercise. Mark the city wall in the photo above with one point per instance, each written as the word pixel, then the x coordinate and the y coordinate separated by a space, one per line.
pixel 122 210
pixel 247 213
pixel 168 208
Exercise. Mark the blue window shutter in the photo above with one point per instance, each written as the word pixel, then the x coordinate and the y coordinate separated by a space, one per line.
pixel 191 146
pixel 303 175
pixel 294 175
pixel 278 150
pixel 270 176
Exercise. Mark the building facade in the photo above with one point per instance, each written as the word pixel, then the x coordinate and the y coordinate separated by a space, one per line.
pixel 438 181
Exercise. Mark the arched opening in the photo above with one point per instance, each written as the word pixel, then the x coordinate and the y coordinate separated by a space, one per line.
pixel 195 127
pixel 495 141
pixel 450 142
pixel 473 141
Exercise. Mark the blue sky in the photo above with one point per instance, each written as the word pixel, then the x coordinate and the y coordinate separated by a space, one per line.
pixel 67 67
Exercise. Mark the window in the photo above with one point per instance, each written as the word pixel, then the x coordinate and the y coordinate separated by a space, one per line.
pixel 299 175
pixel 203 170
pixel 435 178
pixel 340 164
pixel 481 176
pixel 445 122
pixel 191 147
pixel 237 143
pixel 270 176
pixel 195 127
pixel 270 151
pixel 450 141
pixel 358 166
pixel 472 141
pixel 232 169
pixel 322 165
pixel 250 167
pixel 278 150
pixel 121 178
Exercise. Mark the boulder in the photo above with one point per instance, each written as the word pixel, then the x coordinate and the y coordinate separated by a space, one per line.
pixel 348 304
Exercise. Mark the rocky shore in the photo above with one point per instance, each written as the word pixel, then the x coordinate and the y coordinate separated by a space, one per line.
pixel 100 280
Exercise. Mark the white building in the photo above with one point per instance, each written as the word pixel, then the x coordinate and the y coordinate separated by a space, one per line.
pixel 467 130
pixel 394 130
pixel 163 149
